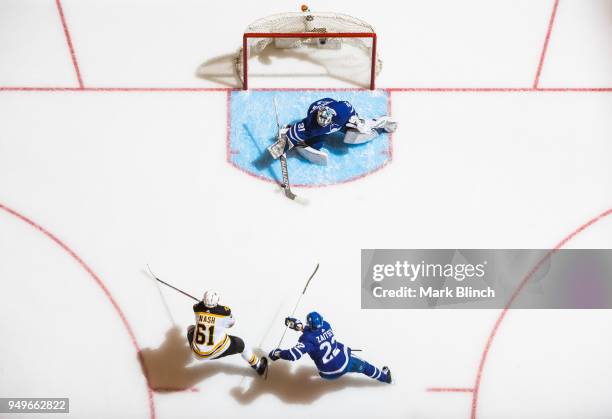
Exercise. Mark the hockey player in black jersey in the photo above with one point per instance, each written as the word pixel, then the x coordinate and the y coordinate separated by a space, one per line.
pixel 208 338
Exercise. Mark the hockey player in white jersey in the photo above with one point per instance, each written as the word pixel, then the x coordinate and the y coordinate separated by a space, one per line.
pixel 327 116
pixel 208 338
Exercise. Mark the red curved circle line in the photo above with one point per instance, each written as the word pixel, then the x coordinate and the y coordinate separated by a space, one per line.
pixel 518 290
pixel 100 283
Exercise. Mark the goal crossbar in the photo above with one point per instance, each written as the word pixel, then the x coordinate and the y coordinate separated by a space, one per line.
pixel 306 35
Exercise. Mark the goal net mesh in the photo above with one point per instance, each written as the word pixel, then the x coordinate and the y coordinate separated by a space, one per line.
pixel 347 30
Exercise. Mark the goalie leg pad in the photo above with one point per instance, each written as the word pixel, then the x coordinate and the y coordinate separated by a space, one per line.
pixel 313 155
pixel 367 130
pixel 353 136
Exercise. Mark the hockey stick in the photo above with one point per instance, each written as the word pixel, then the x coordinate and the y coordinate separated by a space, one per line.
pixel 298 303
pixel 283 158
pixel 280 342
pixel 173 287
pixel 162 297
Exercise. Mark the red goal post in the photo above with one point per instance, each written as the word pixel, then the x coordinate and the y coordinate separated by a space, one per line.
pixel 293 30
pixel 306 35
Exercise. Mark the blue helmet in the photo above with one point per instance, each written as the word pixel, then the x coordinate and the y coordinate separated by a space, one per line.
pixel 314 320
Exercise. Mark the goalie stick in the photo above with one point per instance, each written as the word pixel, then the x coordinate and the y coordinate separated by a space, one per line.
pixel 285 185
pixel 283 158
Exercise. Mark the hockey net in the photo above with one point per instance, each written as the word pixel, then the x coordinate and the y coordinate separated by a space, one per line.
pixel 333 31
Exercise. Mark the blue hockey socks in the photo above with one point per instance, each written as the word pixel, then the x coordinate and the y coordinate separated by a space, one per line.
pixel 364 367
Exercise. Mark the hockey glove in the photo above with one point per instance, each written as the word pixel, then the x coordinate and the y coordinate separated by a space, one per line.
pixel 282 145
pixel 359 124
pixel 274 354
pixel 294 324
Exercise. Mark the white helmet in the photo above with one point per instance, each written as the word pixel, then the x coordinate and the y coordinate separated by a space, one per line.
pixel 211 298
pixel 325 116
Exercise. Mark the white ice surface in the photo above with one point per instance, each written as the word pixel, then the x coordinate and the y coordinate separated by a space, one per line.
pixel 581 44
pixel 31 34
pixel 129 178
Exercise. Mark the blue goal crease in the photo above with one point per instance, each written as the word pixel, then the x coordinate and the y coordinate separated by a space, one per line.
pixel 253 128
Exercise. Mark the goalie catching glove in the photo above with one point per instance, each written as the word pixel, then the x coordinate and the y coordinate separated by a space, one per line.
pixel 365 126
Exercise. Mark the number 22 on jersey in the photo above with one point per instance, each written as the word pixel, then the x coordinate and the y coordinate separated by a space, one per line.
pixel 329 352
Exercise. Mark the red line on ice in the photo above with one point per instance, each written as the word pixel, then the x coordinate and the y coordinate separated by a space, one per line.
pixel 551 22
pixel 498 89
pixel 518 290
pixel 100 283
pixel 386 89
pixel 308 185
pixel 75 63
pixel 115 89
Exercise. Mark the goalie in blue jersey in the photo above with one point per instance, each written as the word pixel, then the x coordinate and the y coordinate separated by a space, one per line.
pixel 332 358
pixel 327 116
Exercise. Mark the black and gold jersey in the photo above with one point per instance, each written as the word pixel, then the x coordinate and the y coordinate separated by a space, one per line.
pixel 210 338
pixel 218 309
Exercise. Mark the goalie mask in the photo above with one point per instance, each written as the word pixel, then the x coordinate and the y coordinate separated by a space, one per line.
pixel 325 116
